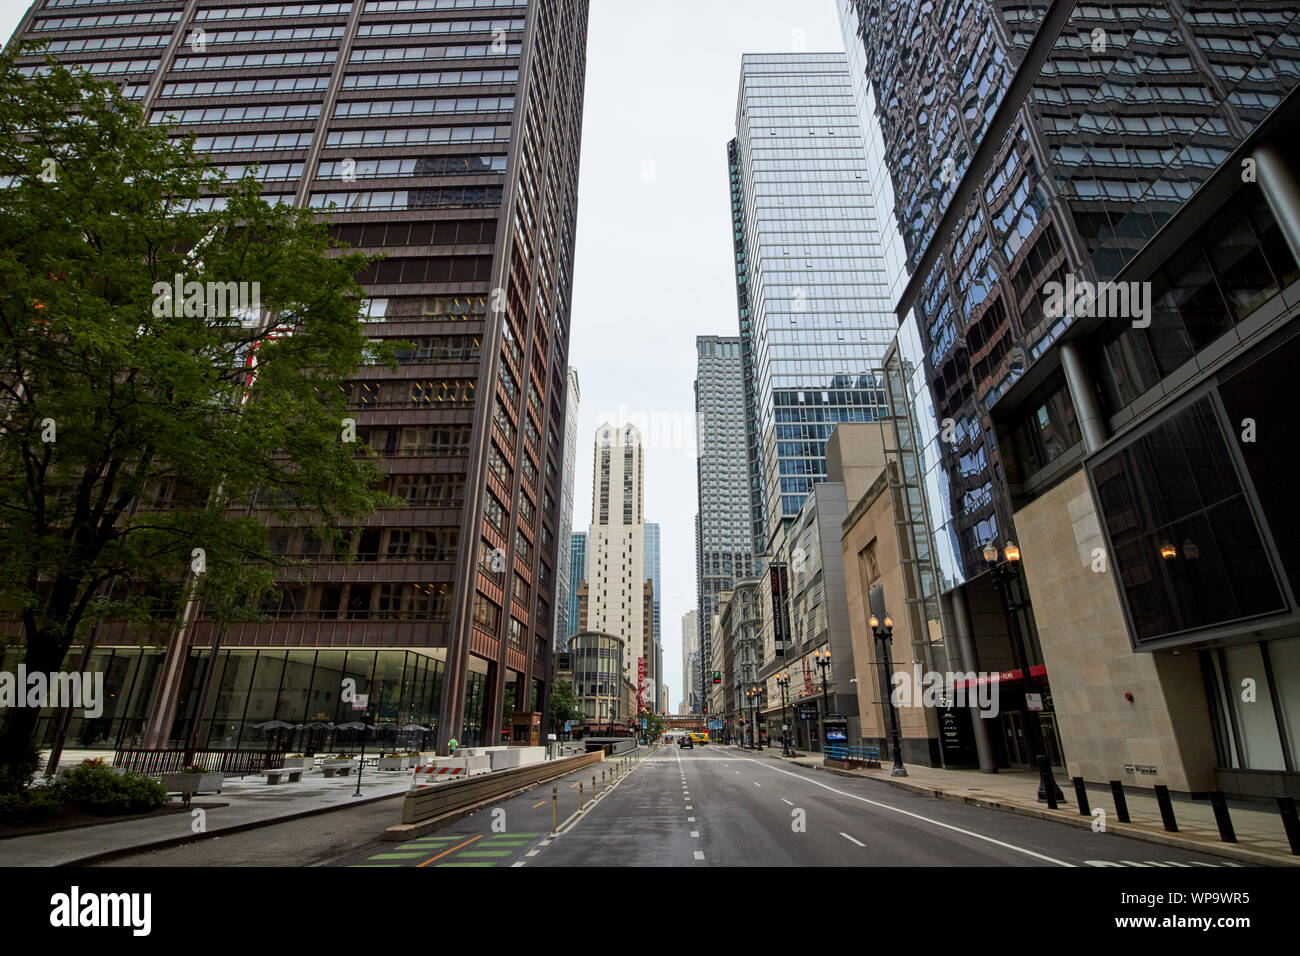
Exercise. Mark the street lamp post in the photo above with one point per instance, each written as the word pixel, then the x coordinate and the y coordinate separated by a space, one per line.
pixel 822 658
pixel 884 633
pixel 1004 574
pixel 783 681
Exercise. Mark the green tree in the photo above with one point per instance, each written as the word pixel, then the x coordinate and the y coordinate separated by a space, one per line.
pixel 130 443
pixel 564 705
pixel 654 726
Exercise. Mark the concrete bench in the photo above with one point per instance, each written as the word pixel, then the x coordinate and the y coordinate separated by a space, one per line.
pixel 341 771
pixel 277 776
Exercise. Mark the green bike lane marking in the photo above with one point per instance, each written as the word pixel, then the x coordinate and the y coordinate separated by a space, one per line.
pixel 495 849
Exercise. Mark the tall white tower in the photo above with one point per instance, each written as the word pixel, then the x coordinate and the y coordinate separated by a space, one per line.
pixel 616 545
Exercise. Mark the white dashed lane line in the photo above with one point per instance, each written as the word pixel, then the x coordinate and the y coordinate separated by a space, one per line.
pixel 851 840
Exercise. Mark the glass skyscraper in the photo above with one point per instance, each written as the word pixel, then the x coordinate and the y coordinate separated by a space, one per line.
pixel 816 320
pixel 577 574
pixel 724 543
pixel 566 579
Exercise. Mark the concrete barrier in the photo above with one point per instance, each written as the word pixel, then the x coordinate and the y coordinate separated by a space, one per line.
pixel 508 757
pixel 423 809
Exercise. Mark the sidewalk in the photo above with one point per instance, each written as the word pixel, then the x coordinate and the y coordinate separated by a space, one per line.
pixel 242 804
pixel 1260 836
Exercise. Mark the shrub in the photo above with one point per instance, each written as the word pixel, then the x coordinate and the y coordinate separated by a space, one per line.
pixel 31 805
pixel 98 789
pixel 17 775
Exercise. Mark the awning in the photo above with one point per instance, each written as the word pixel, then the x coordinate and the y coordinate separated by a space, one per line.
pixel 1002 677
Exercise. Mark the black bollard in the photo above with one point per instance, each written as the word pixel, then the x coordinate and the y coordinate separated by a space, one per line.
pixel 1226 833
pixel 1081 796
pixel 1286 806
pixel 1166 808
pixel 1121 805
pixel 1046 785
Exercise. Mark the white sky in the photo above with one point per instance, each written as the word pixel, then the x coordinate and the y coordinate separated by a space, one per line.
pixel 654 253
pixel 654 259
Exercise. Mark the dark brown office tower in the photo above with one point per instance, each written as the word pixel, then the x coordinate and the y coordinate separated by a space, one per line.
pixel 446 133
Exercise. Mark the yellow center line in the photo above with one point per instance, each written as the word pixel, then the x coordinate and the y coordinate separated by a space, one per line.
pixel 452 850
pixel 539 803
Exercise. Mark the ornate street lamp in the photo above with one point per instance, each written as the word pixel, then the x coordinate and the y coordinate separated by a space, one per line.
pixel 884 633
pixel 822 658
pixel 1004 575
pixel 783 682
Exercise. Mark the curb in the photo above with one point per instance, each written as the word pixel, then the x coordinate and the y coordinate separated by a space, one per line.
pixel 168 842
pixel 1130 830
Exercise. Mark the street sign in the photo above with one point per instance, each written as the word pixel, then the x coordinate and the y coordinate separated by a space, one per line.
pixel 360 701
pixel 717 677
pixel 1035 701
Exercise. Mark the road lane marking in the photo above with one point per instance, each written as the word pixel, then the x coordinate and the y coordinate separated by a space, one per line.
pixel 757 784
pixel 786 802
pixel 695 834
pixel 539 803
pixel 851 840
pixel 915 816
pixel 690 819
pixel 452 850
pixel 699 854
pixel 689 807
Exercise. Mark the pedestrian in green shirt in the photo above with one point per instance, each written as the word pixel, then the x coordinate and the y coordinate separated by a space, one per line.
pixel 452 745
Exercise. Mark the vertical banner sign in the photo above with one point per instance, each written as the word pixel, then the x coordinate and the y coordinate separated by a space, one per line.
pixel 807 676
pixel 640 683
pixel 780 620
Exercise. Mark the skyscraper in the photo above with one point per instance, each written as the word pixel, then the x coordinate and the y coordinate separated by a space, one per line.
pixel 616 546
pixel 446 135
pixel 1064 145
pixel 577 574
pixel 724 540
pixel 690 662
pixel 814 315
pixel 566 578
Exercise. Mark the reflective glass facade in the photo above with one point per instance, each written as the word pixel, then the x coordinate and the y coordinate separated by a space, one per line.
pixel 817 317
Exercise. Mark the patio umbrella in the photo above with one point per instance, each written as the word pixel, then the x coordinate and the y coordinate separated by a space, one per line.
pixel 414 728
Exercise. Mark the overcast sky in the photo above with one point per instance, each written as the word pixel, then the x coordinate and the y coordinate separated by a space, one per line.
pixel 654 255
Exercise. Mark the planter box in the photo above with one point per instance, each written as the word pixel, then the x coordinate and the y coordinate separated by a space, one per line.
pixel 192 783
pixel 393 763
pixel 299 763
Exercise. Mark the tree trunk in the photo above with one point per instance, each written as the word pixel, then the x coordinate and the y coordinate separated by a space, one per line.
pixel 42 656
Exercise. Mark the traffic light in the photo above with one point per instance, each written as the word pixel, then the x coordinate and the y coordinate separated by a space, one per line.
pixel 717 677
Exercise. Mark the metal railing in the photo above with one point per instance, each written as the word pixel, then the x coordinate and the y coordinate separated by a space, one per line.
pixel 843 752
pixel 154 762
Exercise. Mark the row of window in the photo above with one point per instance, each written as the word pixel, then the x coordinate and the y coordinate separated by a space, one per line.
pixel 99 67
pixel 279 35
pixel 441 233
pixel 418 136
pixel 249 61
pixel 405 6
pixel 456 52
pixel 419 440
pixel 447 197
pixel 105 20
pixel 86 44
pixel 370 544
pixel 463 104
pixel 238 114
pixel 278 10
pixel 278 84
pixel 444 393
pixel 413 166
pixel 366 81
pixel 258 141
pixel 425 308
pixel 418 270
pixel 419 28
pixel 356 602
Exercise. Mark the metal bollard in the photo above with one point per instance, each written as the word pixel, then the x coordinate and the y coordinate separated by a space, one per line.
pixel 1290 822
pixel 1081 797
pixel 1166 808
pixel 1121 805
pixel 594 792
pixel 1046 784
pixel 555 809
pixel 579 795
pixel 1220 804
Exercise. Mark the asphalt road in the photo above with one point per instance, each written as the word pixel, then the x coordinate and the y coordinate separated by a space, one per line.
pixel 712 806
pixel 716 806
